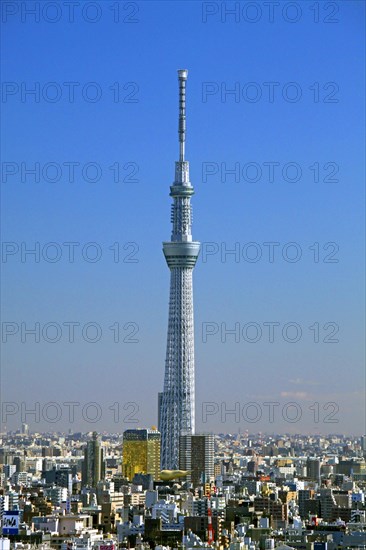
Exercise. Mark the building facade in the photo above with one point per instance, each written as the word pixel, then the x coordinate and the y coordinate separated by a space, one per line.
pixel 93 467
pixel 196 454
pixel 141 453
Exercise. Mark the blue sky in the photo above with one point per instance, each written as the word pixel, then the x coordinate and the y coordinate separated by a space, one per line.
pixel 312 128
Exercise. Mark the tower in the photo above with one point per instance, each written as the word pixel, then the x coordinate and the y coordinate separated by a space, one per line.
pixel 93 467
pixel 181 252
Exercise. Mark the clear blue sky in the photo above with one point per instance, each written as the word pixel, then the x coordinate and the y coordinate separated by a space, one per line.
pixel 325 62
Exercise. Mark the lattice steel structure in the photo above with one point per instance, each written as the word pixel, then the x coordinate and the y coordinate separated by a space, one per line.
pixel 177 414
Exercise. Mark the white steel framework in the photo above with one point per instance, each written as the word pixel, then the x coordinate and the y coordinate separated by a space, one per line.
pixel 177 414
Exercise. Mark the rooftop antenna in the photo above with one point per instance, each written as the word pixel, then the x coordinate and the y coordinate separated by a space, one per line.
pixel 182 76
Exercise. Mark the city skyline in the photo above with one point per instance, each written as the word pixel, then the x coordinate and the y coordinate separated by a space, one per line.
pixel 256 491
pixel 195 383
pixel 281 257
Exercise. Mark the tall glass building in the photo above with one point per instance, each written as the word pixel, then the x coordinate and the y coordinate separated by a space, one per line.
pixel 141 453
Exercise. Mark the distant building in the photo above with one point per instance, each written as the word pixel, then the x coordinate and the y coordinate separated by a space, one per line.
pixel 313 469
pixel 93 468
pixel 56 495
pixel 303 496
pixel 19 463
pixel 25 429
pixel 59 476
pixel 21 478
pixel 327 504
pixel 141 453
pixel 196 454
pixel 199 524
pixel 352 468
pixel 9 470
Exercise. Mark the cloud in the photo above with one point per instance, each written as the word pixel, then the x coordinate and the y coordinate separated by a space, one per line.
pixel 302 382
pixel 296 395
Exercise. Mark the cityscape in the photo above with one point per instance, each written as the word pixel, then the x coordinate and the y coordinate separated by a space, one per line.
pixel 169 486
pixel 236 491
pixel 256 442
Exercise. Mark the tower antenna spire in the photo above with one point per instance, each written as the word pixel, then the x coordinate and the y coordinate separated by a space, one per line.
pixel 182 77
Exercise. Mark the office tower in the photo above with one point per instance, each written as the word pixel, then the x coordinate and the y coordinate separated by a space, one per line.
pixel 303 496
pixel 141 453
pixel 327 504
pixel 93 467
pixel 313 469
pixel 25 429
pixel 181 252
pixel 61 476
pixel 196 454
pixel 19 463
pixel 363 443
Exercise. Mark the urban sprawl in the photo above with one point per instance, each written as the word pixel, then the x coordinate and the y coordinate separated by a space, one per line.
pixel 237 492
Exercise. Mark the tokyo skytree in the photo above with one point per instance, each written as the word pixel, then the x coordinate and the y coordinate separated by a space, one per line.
pixel 177 412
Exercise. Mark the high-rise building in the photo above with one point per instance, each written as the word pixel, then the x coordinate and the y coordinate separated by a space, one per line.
pixel 327 503
pixel 196 454
pixel 141 453
pixel 61 476
pixel 181 252
pixel 303 496
pixel 19 463
pixel 25 429
pixel 313 469
pixel 93 467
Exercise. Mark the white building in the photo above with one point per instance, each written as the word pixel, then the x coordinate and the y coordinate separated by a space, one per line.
pixel 4 544
pixel 166 510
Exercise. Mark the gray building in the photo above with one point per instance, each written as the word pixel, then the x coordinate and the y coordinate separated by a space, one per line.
pixel 196 454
